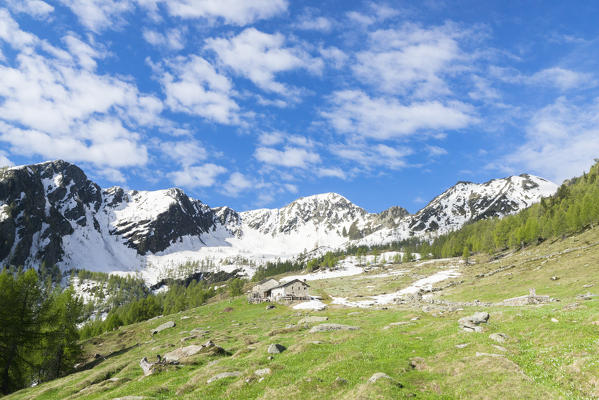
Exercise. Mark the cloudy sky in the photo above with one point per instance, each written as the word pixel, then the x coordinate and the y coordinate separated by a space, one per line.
pixel 255 103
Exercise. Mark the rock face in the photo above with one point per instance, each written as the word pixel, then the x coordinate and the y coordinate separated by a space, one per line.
pixel 52 213
pixel 473 322
pixel 332 327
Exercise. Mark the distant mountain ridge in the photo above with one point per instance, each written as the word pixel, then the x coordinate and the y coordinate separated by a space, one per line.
pixel 51 212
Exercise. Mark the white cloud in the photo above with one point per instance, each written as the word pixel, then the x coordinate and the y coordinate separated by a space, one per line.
pixel 185 153
pixel 12 34
pixel 271 138
pixel 354 112
pixel 259 56
pixel 435 151
pixel 172 39
pixel 562 140
pixel 52 104
pixel 410 59
pixel 310 22
pixel 83 52
pixel 290 188
pixel 98 15
pixel 557 77
pixel 293 157
pixel 369 156
pixel 233 12
pixel 36 8
pixel 563 79
pixel 236 184
pixel 4 161
pixel 193 86
pixel 197 176
pixel 335 56
pixel 331 173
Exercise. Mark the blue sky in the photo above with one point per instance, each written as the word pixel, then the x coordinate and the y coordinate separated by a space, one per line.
pixel 255 103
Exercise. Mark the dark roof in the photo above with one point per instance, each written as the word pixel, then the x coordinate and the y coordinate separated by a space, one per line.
pixel 289 283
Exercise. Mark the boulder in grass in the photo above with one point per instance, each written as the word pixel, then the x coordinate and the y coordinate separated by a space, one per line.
pixel 224 375
pixel 499 337
pixel 472 323
pixel 276 348
pixel 166 325
pixel 332 327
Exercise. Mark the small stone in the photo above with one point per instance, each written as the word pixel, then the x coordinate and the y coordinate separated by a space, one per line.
pixel 339 381
pixel 555 278
pixel 499 337
pixel 472 322
pixel 160 328
pixel 312 319
pixel 554 320
pixel 263 371
pixel 479 354
pixel 500 348
pixel 418 363
pixel 185 317
pixel 276 348
pixel 223 376
pixel 590 285
pixel 461 346
pixel 381 375
pixel 270 307
pixel 332 327
pixel 415 319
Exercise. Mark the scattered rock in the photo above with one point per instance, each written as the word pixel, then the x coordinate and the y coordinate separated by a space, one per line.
pixel 270 307
pixel 339 381
pixel 590 285
pixel 415 319
pixel 471 323
pixel 500 348
pixel 555 278
pixel 183 352
pixel 320 342
pixel 187 338
pixel 166 325
pixel 381 375
pixel 263 371
pixel 332 327
pixel 276 348
pixel 499 337
pixel 224 375
pixel 185 317
pixel 312 319
pixel 461 346
pixel 97 355
pixel 479 354
pixel 150 367
pixel 418 363
pixel 392 324
pixel 199 332
pixel 554 320
pixel 586 296
pixel 531 298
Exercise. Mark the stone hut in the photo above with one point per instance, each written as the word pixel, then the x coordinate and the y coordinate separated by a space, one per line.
pixel 261 291
pixel 292 290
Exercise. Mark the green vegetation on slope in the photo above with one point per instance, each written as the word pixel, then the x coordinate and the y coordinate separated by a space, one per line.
pixel 38 330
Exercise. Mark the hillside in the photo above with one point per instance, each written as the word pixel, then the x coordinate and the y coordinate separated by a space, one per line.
pixel 546 350
pixel 51 213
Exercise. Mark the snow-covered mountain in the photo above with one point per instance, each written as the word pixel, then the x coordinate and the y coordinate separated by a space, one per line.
pixel 51 212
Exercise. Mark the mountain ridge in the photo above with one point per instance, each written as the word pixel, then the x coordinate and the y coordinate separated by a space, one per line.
pixel 58 216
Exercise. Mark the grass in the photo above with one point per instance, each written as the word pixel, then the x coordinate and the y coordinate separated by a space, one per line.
pixel 541 359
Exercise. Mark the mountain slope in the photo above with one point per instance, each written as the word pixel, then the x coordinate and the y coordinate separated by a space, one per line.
pixel 51 212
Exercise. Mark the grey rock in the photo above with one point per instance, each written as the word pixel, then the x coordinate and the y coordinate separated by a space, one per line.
pixel 166 325
pixel 276 348
pixel 270 307
pixel 499 337
pixel 146 366
pixel 224 375
pixel 381 375
pixel 312 319
pixel 263 371
pixel 461 346
pixel 339 381
pixel 183 352
pixel 472 322
pixel 332 327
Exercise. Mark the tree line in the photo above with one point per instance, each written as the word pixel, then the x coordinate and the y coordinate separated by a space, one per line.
pixel 39 339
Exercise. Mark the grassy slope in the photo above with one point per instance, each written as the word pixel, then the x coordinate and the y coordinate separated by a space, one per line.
pixel 542 359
